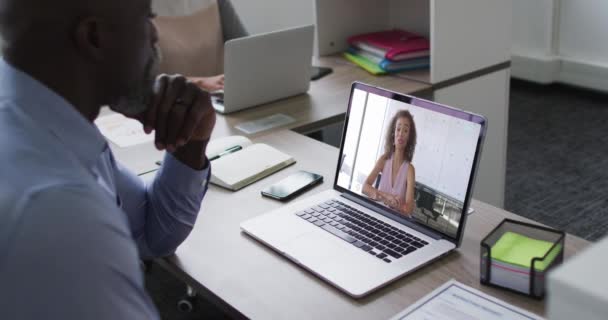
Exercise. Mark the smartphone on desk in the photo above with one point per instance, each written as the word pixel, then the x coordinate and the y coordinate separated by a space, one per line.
pixel 292 186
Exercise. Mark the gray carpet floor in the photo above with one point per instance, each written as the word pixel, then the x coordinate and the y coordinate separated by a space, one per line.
pixel 557 159
pixel 557 174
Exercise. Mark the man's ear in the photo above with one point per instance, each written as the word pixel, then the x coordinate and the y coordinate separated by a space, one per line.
pixel 89 39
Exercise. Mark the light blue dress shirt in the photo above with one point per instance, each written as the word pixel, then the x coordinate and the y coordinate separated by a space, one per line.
pixel 73 222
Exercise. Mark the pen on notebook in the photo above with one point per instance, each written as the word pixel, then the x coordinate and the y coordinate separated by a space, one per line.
pixel 225 152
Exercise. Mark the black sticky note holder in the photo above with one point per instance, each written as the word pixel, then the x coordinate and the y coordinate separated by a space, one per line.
pixel 530 282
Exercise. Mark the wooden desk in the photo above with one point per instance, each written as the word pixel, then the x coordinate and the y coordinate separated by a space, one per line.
pixel 250 280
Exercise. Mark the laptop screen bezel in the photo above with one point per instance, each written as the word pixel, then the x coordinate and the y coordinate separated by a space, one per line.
pixel 429 105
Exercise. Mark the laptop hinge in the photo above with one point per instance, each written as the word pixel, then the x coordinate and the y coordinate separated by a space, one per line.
pixel 425 230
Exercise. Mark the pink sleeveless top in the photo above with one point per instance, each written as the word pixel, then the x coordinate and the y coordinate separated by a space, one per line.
pixel 399 187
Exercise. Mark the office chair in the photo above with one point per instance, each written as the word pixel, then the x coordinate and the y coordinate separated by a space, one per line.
pixel 377 182
pixel 193 44
pixel 425 201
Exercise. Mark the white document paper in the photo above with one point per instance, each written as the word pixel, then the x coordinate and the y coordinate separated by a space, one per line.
pixel 456 301
pixel 266 123
pixel 123 131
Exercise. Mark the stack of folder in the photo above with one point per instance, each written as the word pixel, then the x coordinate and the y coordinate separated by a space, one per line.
pixel 389 51
pixel 511 261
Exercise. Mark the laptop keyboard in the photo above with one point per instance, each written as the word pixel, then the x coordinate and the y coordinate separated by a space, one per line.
pixel 365 232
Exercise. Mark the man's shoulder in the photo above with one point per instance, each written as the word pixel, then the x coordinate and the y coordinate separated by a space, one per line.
pixel 27 147
pixel 43 186
pixel 32 161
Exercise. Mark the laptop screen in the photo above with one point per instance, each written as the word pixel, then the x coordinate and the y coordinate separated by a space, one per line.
pixel 412 157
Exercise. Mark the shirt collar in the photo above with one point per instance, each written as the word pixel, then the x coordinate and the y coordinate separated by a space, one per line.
pixel 53 113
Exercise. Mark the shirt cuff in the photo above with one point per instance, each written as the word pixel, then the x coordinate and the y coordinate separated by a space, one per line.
pixel 182 178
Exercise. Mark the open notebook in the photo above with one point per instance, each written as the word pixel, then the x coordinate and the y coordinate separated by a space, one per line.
pixel 237 162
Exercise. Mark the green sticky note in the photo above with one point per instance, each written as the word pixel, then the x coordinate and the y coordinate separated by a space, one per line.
pixel 364 63
pixel 519 250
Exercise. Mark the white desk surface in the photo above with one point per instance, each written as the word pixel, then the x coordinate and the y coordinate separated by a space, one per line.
pixel 238 271
pixel 261 284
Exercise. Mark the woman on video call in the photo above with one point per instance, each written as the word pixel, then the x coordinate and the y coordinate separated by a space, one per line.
pixel 398 179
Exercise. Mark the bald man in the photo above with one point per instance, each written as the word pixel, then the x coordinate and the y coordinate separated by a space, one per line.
pixel 73 222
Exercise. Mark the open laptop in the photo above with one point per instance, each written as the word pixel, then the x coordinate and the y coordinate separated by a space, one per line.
pixel 265 67
pixel 357 244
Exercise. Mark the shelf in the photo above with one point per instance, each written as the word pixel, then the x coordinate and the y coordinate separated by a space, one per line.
pixel 421 75
pixel 465 35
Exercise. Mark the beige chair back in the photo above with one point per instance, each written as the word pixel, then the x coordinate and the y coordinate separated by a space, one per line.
pixel 192 45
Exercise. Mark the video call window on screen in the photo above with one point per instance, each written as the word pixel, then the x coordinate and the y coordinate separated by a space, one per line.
pixel 441 158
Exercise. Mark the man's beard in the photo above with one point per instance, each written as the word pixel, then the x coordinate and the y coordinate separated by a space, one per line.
pixel 137 100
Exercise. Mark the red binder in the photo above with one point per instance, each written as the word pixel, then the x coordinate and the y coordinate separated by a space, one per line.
pixel 392 44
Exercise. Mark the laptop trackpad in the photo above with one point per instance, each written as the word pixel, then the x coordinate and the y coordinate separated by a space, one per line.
pixel 315 248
